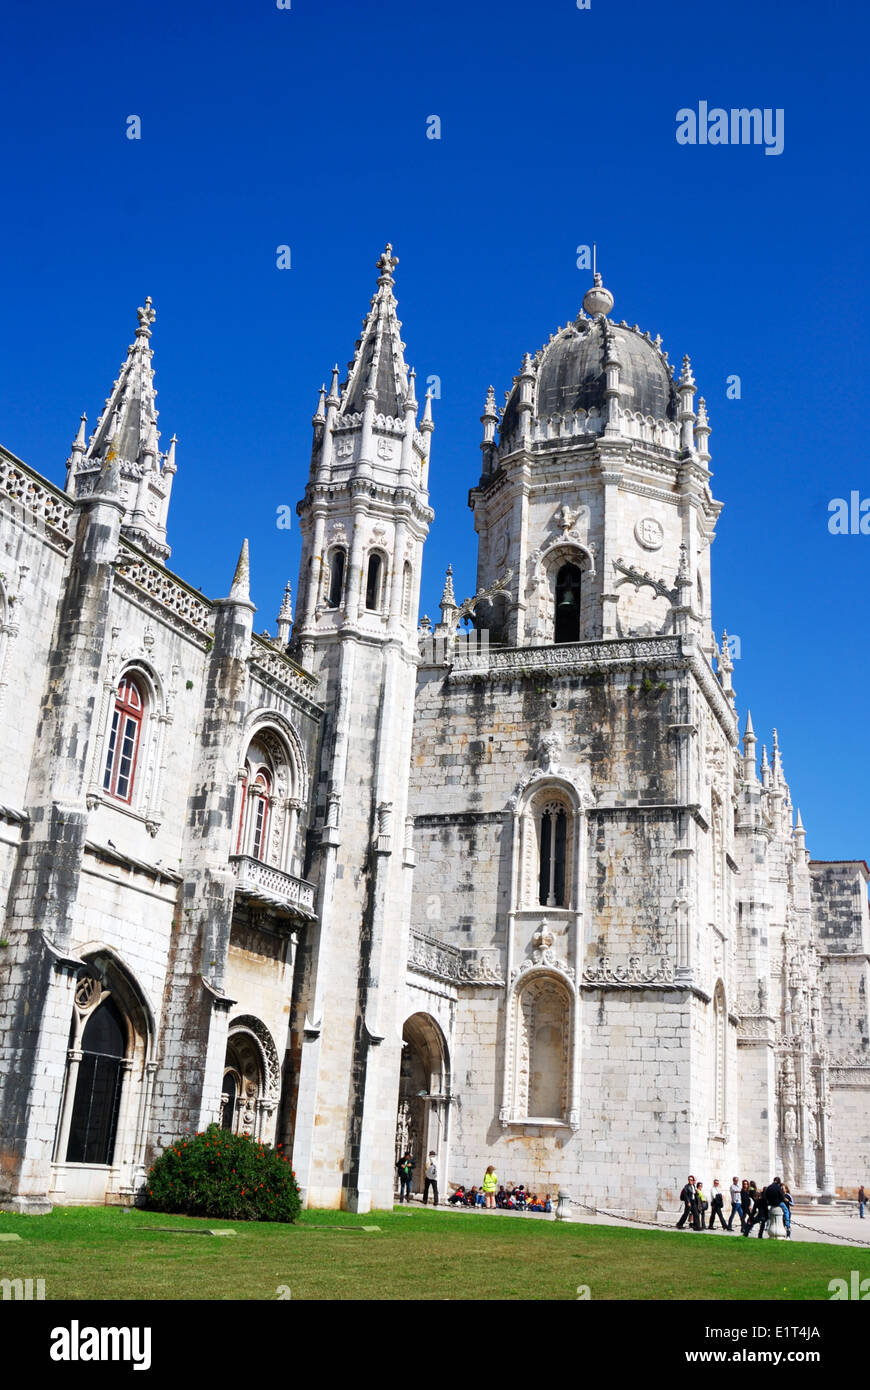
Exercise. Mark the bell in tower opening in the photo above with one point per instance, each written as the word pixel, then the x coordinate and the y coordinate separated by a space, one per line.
pixel 567 605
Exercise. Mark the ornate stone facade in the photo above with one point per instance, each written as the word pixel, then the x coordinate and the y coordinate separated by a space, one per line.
pixel 520 895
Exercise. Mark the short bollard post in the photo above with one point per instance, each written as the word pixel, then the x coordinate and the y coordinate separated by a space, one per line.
pixel 776 1225
pixel 563 1206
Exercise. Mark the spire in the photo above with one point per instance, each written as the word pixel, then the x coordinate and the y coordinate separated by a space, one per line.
pixel 800 835
pixel 448 597
pixel 126 433
pixel 702 431
pixel 334 397
pixel 77 452
pixel 765 766
pixel 448 604
pixel 130 414
pixel 320 412
pixel 726 666
pixel 169 464
pixel 778 775
pixel 378 368
pixel 285 616
pixel 749 742
pixel 240 591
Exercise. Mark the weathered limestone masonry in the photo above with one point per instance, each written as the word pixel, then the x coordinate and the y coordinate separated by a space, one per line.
pixel 364 519
pixel 842 934
pixel 46 876
pixel 617 902
pixel 515 894
pixel 156 791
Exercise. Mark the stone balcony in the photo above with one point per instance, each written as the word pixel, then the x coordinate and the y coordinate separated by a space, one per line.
pixel 265 884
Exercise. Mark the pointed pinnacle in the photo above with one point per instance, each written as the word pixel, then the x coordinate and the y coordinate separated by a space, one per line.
pixel 749 731
pixel 287 605
pixel 241 585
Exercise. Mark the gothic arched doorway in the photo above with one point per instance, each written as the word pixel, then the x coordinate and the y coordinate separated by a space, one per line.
pixel 251 1080
pixel 424 1097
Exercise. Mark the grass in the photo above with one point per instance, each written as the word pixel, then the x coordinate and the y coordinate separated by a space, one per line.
pixel 110 1253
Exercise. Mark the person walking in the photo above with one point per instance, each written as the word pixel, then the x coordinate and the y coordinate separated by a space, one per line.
pixel 689 1199
pixel 717 1202
pixel 405 1168
pixel 490 1184
pixel 736 1208
pixel 702 1204
pixel 761 1212
pixel 774 1196
pixel 862 1201
pixel 431 1180
pixel 745 1205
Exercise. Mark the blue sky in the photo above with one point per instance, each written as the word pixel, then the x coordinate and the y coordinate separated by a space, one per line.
pixel 307 127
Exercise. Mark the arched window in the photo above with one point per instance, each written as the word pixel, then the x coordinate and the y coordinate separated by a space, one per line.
pixel 720 1044
pixel 542 1050
pixel 373 581
pixel 406 591
pixel 336 579
pixel 94 1121
pixel 259 813
pixel 253 836
pixel 567 625
pixel 124 736
pixel 552 862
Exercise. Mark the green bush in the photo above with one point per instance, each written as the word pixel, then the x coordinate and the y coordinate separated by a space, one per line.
pixel 216 1173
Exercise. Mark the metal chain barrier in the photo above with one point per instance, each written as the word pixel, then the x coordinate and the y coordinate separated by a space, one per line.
pixel 657 1225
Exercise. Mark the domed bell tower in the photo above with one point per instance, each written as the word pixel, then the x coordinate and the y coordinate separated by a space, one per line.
pixel 595 491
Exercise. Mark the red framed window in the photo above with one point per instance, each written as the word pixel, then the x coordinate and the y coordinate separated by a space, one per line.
pixel 258 810
pixel 254 816
pixel 124 737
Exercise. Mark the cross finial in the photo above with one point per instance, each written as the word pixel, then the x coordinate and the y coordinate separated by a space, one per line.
pixel 146 317
pixel 387 263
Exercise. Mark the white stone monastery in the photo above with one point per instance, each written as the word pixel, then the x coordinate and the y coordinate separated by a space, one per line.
pixel 510 887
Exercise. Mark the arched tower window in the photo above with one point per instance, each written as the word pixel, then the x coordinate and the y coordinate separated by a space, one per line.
pixel 373 581
pixel 720 1044
pixel 124 736
pixel 553 855
pixel 336 579
pixel 567 624
pixel 406 591
pixel 94 1121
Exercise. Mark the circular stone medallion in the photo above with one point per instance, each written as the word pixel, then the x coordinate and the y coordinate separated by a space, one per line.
pixel 649 533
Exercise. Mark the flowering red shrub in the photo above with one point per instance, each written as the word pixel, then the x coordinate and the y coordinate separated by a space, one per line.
pixel 216 1173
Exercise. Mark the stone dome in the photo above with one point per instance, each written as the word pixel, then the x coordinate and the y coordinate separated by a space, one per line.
pixel 570 375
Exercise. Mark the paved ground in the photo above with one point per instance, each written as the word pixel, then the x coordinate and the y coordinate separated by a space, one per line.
pixel 826 1225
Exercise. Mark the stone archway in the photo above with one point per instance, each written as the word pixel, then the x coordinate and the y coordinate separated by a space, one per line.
pixel 424 1097
pixel 251 1080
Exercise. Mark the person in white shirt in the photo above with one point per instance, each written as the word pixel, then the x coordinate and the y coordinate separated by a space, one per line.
pixel 431 1180
pixel 736 1206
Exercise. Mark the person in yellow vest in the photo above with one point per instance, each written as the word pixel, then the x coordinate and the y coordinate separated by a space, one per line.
pixel 490 1184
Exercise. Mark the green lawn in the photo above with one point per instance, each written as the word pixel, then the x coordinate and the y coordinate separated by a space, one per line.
pixel 109 1253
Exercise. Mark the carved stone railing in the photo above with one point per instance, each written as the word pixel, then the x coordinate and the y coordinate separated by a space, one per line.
pixel 268 884
pixel 46 505
pixel 273 667
pixel 453 964
pixel 516 661
pixel 152 583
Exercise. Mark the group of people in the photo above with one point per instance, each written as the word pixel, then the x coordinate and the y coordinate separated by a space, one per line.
pixel 510 1198
pixel 489 1194
pixel 751 1204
